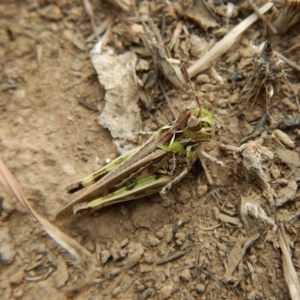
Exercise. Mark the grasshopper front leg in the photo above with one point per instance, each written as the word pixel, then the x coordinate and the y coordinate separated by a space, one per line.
pixel 167 187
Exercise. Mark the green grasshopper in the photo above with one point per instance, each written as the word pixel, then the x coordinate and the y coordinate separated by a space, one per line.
pixel 156 166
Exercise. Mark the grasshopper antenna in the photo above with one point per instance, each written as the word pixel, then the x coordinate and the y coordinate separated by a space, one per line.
pixel 187 77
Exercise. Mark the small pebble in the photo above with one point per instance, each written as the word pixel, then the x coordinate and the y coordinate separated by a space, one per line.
pixel 185 275
pixel 184 196
pixel 147 294
pixel 166 292
pixel 233 99
pixel 90 245
pixel 116 291
pixel 148 258
pixel 140 287
pixel 136 251
pixel 124 243
pixel 169 234
pixel 153 241
pixel 289 104
pixel 123 253
pixel 203 78
pixel 77 65
pixel 115 252
pixel 7 247
pixel 142 65
pixel 284 138
pixel 200 288
pixel 19 291
pixel 160 234
pixel 275 172
pixel 158 285
pixel 144 268
pixel 17 278
pixel 51 13
pixel 61 274
pixel 180 235
pixel 201 190
pixel 19 95
pixel 8 207
pixel 222 103
pixel 68 169
pixel 104 256
pixel 167 271
pixel 289 157
pixel 114 272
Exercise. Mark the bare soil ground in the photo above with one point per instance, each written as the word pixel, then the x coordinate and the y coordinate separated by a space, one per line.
pixel 219 240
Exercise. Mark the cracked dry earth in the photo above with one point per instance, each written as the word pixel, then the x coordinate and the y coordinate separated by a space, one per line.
pixel 211 241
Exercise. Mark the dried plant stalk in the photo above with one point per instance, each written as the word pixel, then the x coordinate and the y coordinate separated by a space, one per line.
pixel 222 46
pixel 83 256
pixel 161 56
pixel 288 15
pixel 268 75
pixel 289 271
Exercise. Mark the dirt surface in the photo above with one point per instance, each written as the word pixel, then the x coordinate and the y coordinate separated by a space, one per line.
pixel 220 238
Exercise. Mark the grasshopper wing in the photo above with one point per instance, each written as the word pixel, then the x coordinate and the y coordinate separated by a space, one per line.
pixel 147 157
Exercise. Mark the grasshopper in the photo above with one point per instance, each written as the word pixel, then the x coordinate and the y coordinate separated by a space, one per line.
pixel 164 159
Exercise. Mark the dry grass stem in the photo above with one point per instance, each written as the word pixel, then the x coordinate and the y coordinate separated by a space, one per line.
pixel 83 256
pixel 262 17
pixel 222 46
pixel 290 274
pixel 161 56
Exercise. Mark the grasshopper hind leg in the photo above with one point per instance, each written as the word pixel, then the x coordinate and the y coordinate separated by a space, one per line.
pixel 190 162
pixel 166 188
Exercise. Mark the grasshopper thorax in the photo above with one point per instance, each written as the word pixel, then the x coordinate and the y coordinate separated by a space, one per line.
pixel 199 125
pixel 193 126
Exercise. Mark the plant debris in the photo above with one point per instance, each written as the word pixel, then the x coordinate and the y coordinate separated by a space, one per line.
pixel 229 230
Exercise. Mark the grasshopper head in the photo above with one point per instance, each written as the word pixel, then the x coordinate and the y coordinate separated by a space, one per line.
pixel 200 125
pixel 190 128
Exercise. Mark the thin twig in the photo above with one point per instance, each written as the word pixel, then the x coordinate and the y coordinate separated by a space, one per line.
pixel 207 174
pixel 289 62
pixel 79 81
pixel 89 11
pixel 88 105
pixel 174 114
pixel 175 36
pixel 222 46
pixel 209 228
pixel 172 257
pixel 292 48
pixel 262 17
pixel 289 271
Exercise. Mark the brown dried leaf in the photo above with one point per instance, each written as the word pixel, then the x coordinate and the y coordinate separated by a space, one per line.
pixel 161 56
pixel 198 12
pixel 237 253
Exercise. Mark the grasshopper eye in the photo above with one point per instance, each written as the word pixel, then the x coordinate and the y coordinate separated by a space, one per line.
pixel 194 123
